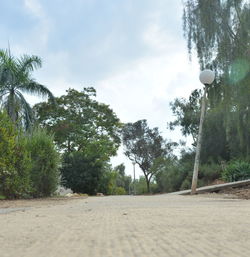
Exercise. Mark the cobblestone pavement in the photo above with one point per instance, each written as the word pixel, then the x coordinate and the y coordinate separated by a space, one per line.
pixel 129 226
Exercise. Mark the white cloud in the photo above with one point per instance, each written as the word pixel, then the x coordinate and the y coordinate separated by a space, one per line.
pixel 42 29
pixel 35 7
pixel 134 91
pixel 156 37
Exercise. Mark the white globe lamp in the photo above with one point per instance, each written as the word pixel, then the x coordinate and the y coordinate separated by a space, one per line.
pixel 207 77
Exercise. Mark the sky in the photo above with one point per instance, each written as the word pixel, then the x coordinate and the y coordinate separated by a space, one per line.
pixel 132 51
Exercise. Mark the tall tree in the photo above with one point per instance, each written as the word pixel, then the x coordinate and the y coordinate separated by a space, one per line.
pixel 86 131
pixel 15 79
pixel 144 146
pixel 80 123
pixel 219 32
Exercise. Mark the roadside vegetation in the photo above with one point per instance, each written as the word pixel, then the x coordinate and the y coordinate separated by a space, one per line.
pixel 69 140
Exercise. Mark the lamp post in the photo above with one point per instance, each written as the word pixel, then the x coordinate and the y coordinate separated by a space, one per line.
pixel 206 78
pixel 134 176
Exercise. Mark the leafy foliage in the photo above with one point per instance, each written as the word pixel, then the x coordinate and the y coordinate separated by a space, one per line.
pixel 82 172
pixel 219 31
pixel 14 162
pixel 15 79
pixel 141 187
pixel 236 170
pixel 144 146
pixel 80 122
pixel 108 184
pixel 86 131
pixel 187 114
pixel 44 162
pixel 177 173
pixel 171 177
pixel 122 180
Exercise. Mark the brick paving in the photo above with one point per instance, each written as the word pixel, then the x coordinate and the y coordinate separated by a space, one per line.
pixel 129 226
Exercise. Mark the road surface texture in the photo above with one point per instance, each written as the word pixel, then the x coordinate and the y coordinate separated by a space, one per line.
pixel 128 226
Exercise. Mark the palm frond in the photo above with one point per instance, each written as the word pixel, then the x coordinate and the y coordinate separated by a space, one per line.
pixel 14 80
pixel 29 63
pixel 35 88
pixel 26 110
pixel 10 105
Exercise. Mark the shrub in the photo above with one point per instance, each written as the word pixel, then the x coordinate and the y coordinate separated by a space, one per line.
pixel 236 170
pixel 141 186
pixel 81 172
pixel 119 191
pixel 44 163
pixel 209 173
pixel 14 162
pixel 170 178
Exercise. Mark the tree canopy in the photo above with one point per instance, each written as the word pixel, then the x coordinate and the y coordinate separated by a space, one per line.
pixel 219 32
pixel 80 123
pixel 15 79
pixel 145 146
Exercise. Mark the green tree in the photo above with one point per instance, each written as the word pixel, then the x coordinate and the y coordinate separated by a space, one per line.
pixel 114 181
pixel 15 79
pixel 122 180
pixel 144 146
pixel 80 123
pixel 86 131
pixel 219 32
pixel 187 113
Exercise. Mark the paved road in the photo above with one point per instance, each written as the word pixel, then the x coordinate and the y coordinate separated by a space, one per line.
pixel 127 226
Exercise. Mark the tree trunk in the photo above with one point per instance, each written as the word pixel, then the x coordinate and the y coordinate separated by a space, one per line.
pixel 69 146
pixel 148 184
pixel 11 106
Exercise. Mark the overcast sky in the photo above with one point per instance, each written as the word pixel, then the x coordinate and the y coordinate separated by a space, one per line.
pixel 132 51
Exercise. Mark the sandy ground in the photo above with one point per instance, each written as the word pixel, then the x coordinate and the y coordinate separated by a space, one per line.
pixel 127 226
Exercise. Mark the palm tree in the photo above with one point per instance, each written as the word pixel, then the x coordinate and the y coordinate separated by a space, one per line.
pixel 15 79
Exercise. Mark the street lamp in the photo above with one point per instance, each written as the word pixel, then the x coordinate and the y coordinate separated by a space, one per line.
pixel 206 78
pixel 134 176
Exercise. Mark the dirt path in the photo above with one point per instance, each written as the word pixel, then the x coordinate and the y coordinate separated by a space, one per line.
pixel 127 226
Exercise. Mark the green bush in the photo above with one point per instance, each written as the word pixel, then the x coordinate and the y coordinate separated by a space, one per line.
pixel 169 179
pixel 208 173
pixel 175 175
pixel 236 170
pixel 113 182
pixel 119 191
pixel 14 162
pixel 141 186
pixel 22 180
pixel 81 172
pixel 2 197
pixel 44 172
